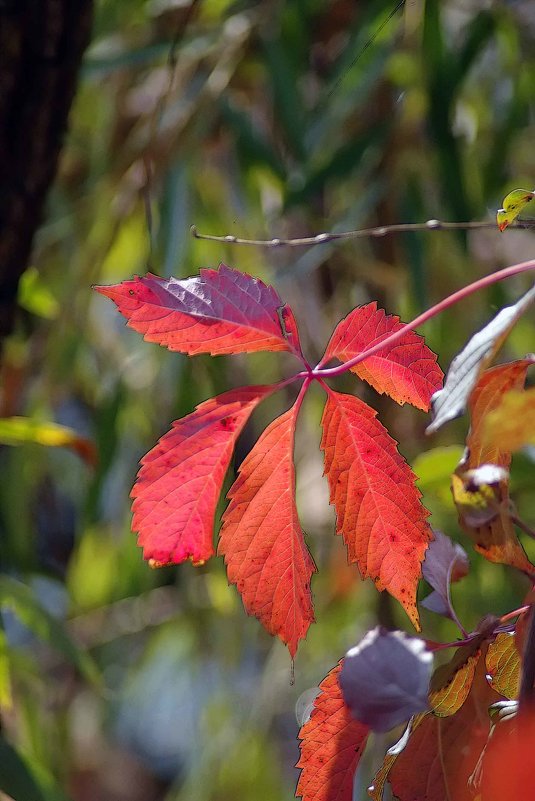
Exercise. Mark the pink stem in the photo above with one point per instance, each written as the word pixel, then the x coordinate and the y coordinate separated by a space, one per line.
pixel 461 294
pixel 514 613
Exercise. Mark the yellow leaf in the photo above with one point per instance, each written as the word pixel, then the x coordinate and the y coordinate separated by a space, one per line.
pixel 19 430
pixel 511 425
pixel 484 514
pixel 452 682
pixel 513 203
pixel 503 665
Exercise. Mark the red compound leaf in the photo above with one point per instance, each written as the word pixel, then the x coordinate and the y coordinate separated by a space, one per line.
pixel 332 743
pixel 406 371
pixel 378 508
pixel 218 311
pixel 179 483
pixel 262 541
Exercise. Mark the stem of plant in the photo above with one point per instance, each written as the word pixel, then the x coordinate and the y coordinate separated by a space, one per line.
pixel 451 300
pixel 379 231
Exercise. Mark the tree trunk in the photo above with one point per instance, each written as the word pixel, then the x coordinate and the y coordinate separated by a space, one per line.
pixel 41 46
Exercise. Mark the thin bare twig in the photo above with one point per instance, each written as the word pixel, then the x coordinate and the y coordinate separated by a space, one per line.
pixel 523 526
pixel 382 230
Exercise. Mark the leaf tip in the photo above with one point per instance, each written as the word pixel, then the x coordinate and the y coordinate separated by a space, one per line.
pixel 154 564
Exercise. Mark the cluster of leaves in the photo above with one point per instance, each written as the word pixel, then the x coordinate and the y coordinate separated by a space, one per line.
pixel 386 679
pixel 378 509
pixel 451 748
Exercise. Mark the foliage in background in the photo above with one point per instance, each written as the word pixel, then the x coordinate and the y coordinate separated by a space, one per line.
pixel 272 119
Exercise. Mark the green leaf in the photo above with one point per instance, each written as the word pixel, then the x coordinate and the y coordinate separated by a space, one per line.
pixel 434 467
pixel 19 430
pixel 513 203
pixel 19 598
pixel 6 700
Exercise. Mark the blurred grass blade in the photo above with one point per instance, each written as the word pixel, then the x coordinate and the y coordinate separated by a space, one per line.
pixel 6 700
pixel 20 599
pixel 20 430
pixel 23 781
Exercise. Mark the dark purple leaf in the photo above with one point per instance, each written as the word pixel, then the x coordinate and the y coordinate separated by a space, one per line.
pixel 385 678
pixel 445 561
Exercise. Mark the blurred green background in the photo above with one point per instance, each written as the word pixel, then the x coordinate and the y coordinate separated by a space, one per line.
pixel 257 119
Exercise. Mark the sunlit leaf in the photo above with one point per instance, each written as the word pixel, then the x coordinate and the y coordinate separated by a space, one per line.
pixel 467 366
pixel 511 425
pixel 261 538
pixel 503 665
pixel 485 516
pixel 452 682
pixel 385 678
pixel 20 430
pixel 442 752
pixel 513 203
pixel 485 398
pixel 331 745
pixel 434 467
pixel 406 371
pixel 180 480
pixel 478 493
pixel 480 486
pixel 218 311
pixel 378 509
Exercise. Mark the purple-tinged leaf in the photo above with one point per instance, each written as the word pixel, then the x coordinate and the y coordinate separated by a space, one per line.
pixel 219 311
pixel 385 678
pixel 445 561
pixel 450 402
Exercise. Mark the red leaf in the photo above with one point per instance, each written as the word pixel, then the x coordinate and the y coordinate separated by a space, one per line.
pixel 378 508
pixel 332 742
pixel 178 485
pixel 219 311
pixel 439 762
pixel 262 541
pixel 508 770
pixel 406 371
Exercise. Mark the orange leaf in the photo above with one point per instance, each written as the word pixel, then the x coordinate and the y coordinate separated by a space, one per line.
pixel 332 742
pixel 406 371
pixel 378 508
pixel 511 424
pixel 489 523
pixel 486 396
pixel 508 764
pixel 262 541
pixel 178 485
pixel 442 754
pixel 503 665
